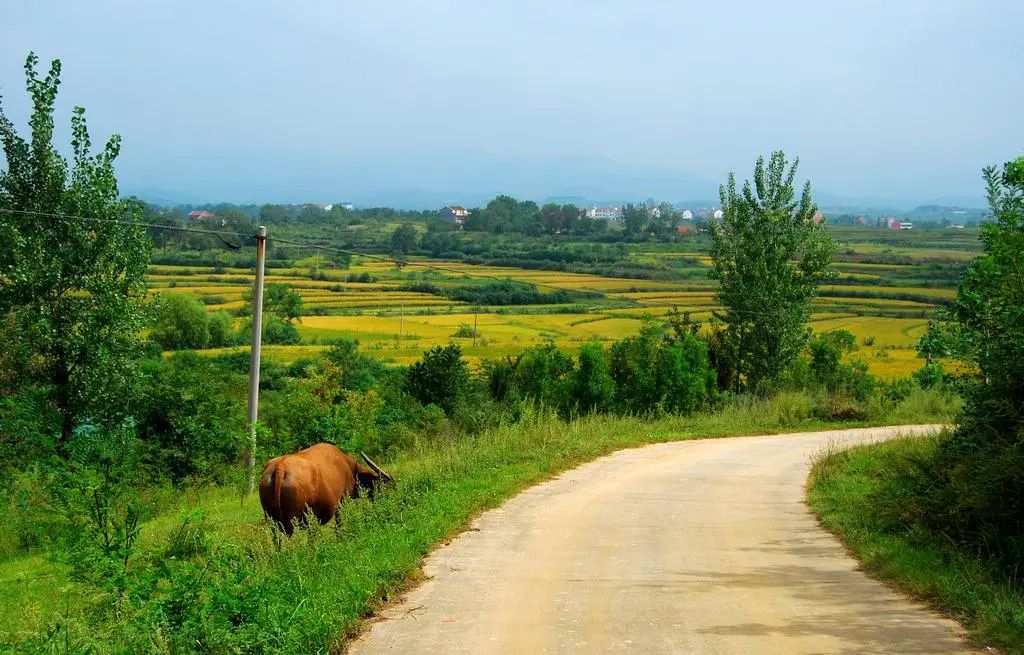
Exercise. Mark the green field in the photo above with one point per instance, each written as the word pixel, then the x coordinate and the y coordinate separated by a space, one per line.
pixel 886 287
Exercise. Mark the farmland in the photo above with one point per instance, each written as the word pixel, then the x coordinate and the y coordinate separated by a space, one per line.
pixel 885 288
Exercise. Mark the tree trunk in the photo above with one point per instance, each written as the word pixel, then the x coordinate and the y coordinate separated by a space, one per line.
pixel 62 381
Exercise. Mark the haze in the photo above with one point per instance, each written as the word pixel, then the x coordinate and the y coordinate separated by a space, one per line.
pixel 420 103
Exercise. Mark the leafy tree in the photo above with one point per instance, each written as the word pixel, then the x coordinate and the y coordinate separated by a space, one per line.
pixel 634 219
pixel 180 321
pixel 72 288
pixel 593 388
pixel 277 331
pixel 829 370
pixel 440 378
pixel 542 374
pixel 685 377
pixel 570 216
pixel 403 239
pixel 550 218
pixel 355 370
pixel 769 257
pixel 191 417
pixel 280 300
pixel 222 331
pixel 633 363
pixel 670 217
pixel 982 466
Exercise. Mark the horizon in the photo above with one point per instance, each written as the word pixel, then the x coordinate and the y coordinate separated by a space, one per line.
pixel 421 105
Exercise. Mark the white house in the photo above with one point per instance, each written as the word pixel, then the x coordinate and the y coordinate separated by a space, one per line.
pixel 455 214
pixel 687 215
pixel 605 213
pixel 718 214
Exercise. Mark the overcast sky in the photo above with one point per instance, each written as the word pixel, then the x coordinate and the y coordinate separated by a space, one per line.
pixel 276 101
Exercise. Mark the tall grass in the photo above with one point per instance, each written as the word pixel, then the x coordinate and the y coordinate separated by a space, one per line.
pixel 867 496
pixel 215 581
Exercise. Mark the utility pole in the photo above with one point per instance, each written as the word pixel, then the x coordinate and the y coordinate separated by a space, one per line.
pixel 254 363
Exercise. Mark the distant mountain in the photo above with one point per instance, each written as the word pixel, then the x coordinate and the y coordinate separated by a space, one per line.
pixel 428 180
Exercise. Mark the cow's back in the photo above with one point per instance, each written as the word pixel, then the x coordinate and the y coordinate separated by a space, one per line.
pixel 316 478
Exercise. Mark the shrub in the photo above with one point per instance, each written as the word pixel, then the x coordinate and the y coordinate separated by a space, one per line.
pixel 542 374
pixel 190 419
pixel 441 378
pixel 829 371
pixel 592 386
pixel 221 330
pixel 179 321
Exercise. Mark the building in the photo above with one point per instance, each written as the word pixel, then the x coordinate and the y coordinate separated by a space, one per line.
pixel 605 213
pixel 454 214
pixel 906 225
pixel 201 215
pixel 687 215
pixel 684 229
pixel 819 218
pixel 718 214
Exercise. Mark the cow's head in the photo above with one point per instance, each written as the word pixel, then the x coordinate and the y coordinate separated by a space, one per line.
pixel 375 477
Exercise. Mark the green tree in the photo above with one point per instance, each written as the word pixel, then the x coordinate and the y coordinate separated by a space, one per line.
pixel 542 374
pixel 73 288
pixel 440 378
pixel 769 258
pixel 975 489
pixel 222 329
pixel 282 301
pixel 550 218
pixel 180 321
pixel 570 216
pixel 593 388
pixel 633 364
pixel 404 239
pixel 634 219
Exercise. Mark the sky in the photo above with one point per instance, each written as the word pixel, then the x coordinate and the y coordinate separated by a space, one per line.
pixel 443 101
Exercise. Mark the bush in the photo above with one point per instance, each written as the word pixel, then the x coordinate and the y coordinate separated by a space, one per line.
pixel 659 371
pixel 179 321
pixel 221 330
pixel 190 419
pixel 465 331
pixel 592 386
pixel 543 374
pixel 828 370
pixel 441 378
pixel 277 332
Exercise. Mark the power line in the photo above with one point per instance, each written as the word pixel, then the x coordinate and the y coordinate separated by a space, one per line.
pixel 173 228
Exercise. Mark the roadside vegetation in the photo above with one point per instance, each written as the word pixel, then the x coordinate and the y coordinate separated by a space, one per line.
pixel 942 518
pixel 122 411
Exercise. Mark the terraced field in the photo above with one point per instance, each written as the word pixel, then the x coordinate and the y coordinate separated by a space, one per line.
pixel 882 292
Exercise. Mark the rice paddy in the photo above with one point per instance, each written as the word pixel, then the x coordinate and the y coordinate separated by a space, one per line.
pixel 883 292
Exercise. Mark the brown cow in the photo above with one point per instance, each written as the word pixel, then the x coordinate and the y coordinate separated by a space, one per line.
pixel 317 478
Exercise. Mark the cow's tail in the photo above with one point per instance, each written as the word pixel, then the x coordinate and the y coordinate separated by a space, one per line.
pixel 279 472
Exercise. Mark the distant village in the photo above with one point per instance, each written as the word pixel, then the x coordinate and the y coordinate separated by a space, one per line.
pixel 686 219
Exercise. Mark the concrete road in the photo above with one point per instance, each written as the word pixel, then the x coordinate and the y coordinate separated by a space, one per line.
pixel 689 547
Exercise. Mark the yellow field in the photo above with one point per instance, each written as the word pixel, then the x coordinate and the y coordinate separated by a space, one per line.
pixel 397 326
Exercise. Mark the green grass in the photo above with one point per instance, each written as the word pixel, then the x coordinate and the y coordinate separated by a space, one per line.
pixel 240 594
pixel 857 495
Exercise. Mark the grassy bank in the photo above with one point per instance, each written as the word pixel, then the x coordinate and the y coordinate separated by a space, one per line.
pixel 210 579
pixel 858 494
